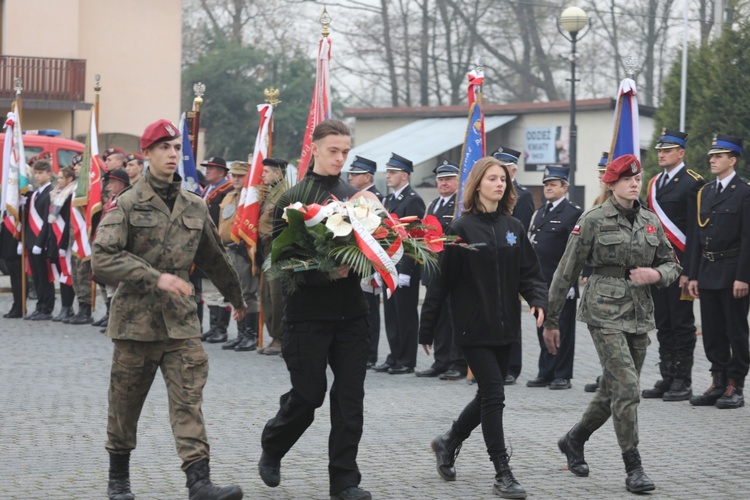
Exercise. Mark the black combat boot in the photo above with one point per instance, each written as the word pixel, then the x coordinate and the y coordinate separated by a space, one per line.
pixel 199 484
pixel 65 313
pixel 592 387
pixel 220 334
pixel 637 480
pixel 104 319
pixel 269 469
pixel 661 386
pixel 714 391
pixel 571 445
pixel 118 487
pixel 213 321
pixel 682 385
pixel 82 317
pixel 505 484
pixel 250 341
pixel 230 345
pixel 732 397
pixel 446 447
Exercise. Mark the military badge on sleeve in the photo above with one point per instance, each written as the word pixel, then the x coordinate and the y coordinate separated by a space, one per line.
pixel 576 230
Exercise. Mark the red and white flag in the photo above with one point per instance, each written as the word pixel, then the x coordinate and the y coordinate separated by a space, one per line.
pixel 320 107
pixel 245 226
pixel 88 194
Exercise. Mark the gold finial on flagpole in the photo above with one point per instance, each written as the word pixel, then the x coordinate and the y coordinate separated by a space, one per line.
pixel 325 22
pixel 631 66
pixel 198 89
pixel 272 96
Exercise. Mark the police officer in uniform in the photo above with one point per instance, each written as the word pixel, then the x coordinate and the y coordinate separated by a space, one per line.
pixel 627 250
pixel 672 196
pixel 720 273
pixel 523 211
pixel 549 232
pixel 147 242
pixel 361 176
pixel 449 361
pixel 401 315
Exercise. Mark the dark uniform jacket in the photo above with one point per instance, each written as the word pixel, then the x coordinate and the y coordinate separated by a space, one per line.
pixel 138 240
pixel 408 203
pixel 214 199
pixel 723 226
pixel 319 298
pixel 445 215
pixel 41 204
pixel 549 235
pixel 483 283
pixel 524 208
pixel 677 199
pixel 374 190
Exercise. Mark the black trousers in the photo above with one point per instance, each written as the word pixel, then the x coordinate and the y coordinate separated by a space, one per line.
pixel 516 355
pixel 45 291
pixel 725 332
pixel 402 325
pixel 489 366
pixel 560 365
pixel 14 270
pixel 373 301
pixel 308 348
pixel 675 321
pixel 447 355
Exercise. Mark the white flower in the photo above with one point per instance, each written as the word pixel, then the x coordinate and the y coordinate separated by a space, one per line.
pixel 366 216
pixel 337 225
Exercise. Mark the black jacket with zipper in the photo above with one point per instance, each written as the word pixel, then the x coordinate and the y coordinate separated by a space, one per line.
pixel 484 282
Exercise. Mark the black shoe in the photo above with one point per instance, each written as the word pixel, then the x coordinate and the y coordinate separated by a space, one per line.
pixel 101 321
pixel 657 391
pixel 119 489
pixel 248 343
pixel 592 387
pixel 452 375
pixel 382 368
pixel 446 447
pixel 430 372
pixel 82 317
pixel 201 488
pixel 560 383
pixel 732 397
pixel 218 337
pixel 42 316
pixel 269 470
pixel 65 313
pixel 713 393
pixel 32 315
pixel 510 379
pixel 229 346
pixel 506 485
pixel 571 445
pixel 679 391
pixel 13 314
pixel 400 370
pixel 352 493
pixel 369 365
pixel 538 382
pixel 637 480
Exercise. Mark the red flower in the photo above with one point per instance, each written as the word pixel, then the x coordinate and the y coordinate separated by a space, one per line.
pixel 433 233
pixel 380 233
pixel 398 228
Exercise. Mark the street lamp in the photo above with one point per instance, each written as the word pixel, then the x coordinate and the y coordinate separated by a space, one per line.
pixel 571 22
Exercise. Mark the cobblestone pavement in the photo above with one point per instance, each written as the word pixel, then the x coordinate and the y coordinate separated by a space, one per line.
pixel 53 417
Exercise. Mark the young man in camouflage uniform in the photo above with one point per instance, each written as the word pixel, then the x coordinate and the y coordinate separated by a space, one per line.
pixel 147 242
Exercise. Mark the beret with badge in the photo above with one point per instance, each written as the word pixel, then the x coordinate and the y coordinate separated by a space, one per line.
pixel 159 131
pixel 622 166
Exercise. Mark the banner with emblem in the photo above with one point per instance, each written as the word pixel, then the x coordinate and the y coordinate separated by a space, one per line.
pixel 320 107
pixel 245 226
pixel 626 122
pixel 14 176
pixel 474 145
pixel 88 195
pixel 187 167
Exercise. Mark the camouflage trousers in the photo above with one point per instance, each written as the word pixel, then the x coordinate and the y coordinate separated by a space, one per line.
pixel 184 366
pixel 81 274
pixel 621 355
pixel 272 302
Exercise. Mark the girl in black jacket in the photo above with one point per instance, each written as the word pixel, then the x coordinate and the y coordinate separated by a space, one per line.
pixel 483 284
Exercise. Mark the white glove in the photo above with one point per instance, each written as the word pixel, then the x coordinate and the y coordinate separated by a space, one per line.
pixel 19 249
pixel 63 253
pixel 404 280
pixel 571 293
pixel 36 250
pixel 378 280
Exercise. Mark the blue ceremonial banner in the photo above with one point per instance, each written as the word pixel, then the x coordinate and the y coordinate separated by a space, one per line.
pixel 187 169
pixel 626 135
pixel 472 151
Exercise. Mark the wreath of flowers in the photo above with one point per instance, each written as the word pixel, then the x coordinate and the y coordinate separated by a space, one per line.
pixel 359 233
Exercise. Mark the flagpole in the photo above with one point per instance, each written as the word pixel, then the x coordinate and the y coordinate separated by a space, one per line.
pixel 18 87
pixel 97 89
pixel 199 89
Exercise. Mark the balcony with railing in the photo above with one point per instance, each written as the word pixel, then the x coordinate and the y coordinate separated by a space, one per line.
pixel 48 83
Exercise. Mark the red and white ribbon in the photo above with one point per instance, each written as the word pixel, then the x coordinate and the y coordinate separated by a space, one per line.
pixel 382 260
pixel 676 237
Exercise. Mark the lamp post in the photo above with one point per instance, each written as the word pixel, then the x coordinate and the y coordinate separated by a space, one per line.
pixel 571 22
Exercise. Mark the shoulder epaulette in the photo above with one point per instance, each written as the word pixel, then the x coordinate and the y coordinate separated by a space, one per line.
pixel 695 175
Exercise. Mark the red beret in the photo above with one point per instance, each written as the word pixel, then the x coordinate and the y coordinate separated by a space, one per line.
pixel 161 130
pixel 134 156
pixel 111 151
pixel 622 166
